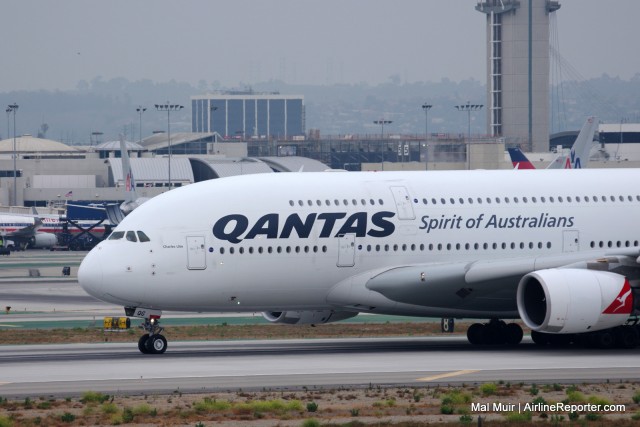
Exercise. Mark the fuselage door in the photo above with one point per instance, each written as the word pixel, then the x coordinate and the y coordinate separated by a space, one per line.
pixel 403 203
pixel 570 241
pixel 196 254
pixel 346 250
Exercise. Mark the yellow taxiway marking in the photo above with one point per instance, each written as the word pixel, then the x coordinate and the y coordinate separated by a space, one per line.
pixel 448 374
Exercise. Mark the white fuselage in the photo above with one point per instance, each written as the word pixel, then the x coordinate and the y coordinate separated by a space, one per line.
pixel 306 241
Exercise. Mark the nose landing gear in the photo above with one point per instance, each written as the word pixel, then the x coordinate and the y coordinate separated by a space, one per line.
pixel 152 342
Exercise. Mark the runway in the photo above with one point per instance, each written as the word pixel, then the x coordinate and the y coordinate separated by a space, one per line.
pixel 63 370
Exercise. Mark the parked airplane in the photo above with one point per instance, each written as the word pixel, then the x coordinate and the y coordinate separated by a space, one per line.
pixel 25 231
pixel 578 156
pixel 558 249
pixel 115 212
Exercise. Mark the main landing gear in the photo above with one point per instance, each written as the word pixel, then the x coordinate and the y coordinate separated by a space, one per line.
pixel 152 342
pixel 494 332
pixel 626 336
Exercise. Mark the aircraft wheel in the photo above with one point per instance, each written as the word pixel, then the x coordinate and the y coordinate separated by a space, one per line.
pixel 627 337
pixel 142 344
pixel 539 338
pixel 560 340
pixel 475 334
pixel 156 344
pixel 513 334
pixel 604 339
pixel 494 332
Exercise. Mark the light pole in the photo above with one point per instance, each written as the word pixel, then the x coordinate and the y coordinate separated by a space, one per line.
pixel 95 135
pixel 141 110
pixel 468 107
pixel 426 107
pixel 382 122
pixel 169 108
pixel 13 108
pixel 211 129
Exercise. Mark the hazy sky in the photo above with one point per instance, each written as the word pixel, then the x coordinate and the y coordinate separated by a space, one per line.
pixel 53 44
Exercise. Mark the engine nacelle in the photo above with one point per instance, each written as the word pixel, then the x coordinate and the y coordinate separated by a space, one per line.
pixel 43 240
pixel 316 317
pixel 567 301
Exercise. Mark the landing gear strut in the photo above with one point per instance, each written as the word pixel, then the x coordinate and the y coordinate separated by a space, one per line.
pixel 494 332
pixel 152 342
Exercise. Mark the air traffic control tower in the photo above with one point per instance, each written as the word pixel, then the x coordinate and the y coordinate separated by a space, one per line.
pixel 518 70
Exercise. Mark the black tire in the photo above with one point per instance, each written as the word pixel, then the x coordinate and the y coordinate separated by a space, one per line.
pixel 604 339
pixel 156 344
pixel 142 344
pixel 627 337
pixel 560 340
pixel 539 338
pixel 513 334
pixel 493 333
pixel 475 334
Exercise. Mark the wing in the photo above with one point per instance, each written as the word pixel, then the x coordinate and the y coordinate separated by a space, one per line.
pixel 481 289
pixel 26 232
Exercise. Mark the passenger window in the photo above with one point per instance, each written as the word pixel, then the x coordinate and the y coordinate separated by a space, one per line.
pixel 131 236
pixel 116 235
pixel 143 237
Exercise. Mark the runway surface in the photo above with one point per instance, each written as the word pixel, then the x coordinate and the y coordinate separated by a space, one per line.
pixel 210 366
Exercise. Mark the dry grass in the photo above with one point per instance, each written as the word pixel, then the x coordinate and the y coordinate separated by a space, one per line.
pixel 375 406
pixel 225 332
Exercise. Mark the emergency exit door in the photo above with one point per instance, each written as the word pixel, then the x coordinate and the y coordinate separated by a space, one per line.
pixel 403 203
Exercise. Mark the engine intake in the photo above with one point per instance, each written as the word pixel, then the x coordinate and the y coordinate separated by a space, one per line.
pixel 568 301
pixel 307 317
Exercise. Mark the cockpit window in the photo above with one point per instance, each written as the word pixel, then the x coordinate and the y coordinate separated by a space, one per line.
pixel 143 237
pixel 131 236
pixel 116 235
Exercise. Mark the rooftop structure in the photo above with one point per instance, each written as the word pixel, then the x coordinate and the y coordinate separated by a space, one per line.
pixel 245 115
pixel 31 144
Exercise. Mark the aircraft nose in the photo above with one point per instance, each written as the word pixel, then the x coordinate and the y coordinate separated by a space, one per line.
pixel 90 273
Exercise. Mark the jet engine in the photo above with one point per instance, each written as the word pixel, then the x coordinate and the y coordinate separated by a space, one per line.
pixel 43 240
pixel 567 301
pixel 316 317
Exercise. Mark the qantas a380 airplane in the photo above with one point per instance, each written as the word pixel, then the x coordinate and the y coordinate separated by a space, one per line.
pixel 556 248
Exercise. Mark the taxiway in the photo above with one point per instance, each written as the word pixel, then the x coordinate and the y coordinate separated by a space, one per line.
pixel 275 364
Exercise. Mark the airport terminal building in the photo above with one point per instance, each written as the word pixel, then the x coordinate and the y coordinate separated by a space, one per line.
pixel 249 115
pixel 49 173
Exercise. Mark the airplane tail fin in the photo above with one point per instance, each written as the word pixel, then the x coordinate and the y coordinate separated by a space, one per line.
pixel 581 150
pixel 127 173
pixel 519 160
pixel 114 213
